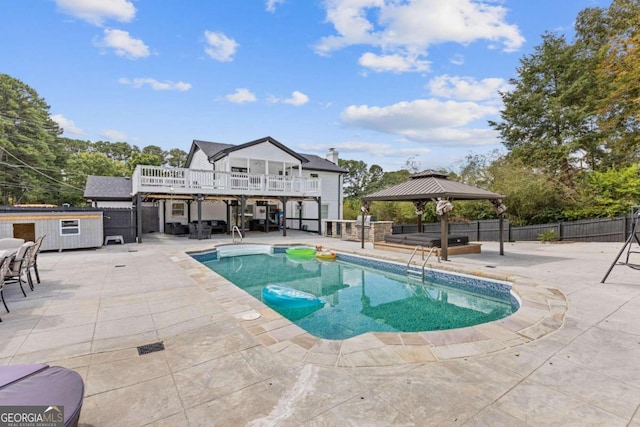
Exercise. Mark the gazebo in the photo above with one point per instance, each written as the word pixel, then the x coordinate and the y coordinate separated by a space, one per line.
pixel 433 185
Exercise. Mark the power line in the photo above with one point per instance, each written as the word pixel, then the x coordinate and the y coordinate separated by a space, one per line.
pixel 41 173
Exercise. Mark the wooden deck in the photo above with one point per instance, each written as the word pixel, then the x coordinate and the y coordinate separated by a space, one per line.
pixel 471 248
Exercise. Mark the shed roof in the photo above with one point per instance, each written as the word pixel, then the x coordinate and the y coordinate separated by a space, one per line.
pixel 108 188
pixel 430 184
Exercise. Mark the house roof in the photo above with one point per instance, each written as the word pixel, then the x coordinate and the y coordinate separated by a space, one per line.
pixel 225 152
pixel 217 150
pixel 317 163
pixel 108 188
pixel 430 184
pixel 208 148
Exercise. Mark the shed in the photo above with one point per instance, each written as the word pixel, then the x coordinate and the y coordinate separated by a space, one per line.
pixel 64 229
pixel 433 185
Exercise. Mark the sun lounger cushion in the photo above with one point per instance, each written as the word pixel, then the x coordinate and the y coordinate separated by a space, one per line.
pixel 43 385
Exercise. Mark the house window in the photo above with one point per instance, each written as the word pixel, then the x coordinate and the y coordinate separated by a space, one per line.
pixel 69 227
pixel 177 209
pixel 314 175
pixel 324 211
pixel 237 169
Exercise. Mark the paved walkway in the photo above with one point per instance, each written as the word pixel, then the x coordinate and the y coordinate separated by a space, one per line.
pixel 94 307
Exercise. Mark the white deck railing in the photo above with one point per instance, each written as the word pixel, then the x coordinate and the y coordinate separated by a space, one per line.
pixel 190 181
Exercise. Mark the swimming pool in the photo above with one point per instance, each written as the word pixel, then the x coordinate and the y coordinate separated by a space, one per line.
pixel 362 294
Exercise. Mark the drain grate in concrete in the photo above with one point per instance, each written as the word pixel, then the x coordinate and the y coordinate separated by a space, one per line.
pixel 150 348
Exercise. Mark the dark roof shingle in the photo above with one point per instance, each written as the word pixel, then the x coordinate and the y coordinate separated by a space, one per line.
pixel 108 188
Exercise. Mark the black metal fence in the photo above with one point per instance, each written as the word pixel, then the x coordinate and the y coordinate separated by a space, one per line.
pixel 587 230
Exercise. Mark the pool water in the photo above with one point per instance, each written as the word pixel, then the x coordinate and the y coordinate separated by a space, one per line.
pixel 360 299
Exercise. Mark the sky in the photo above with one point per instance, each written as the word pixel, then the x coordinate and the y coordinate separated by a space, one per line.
pixel 382 81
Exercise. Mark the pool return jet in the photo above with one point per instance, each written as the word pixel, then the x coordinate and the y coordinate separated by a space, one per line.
pixel 627 246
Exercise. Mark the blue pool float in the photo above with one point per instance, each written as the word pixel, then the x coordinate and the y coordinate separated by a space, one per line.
pixel 283 296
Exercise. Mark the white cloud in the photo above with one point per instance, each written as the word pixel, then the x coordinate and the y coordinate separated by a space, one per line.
pixel 123 44
pixel 394 63
pixel 97 11
pixel 375 149
pixel 241 96
pixel 467 88
pixel 114 135
pixel 457 59
pixel 155 84
pixel 297 99
pixel 271 5
pixel 408 28
pixel 425 120
pixel 220 47
pixel 68 125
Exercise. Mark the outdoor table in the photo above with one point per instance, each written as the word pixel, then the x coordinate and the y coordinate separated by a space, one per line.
pixel 11 243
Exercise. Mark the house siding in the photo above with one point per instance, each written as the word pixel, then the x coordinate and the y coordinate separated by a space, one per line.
pixel 200 161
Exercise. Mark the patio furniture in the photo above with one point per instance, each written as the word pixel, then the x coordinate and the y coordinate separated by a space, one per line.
pixel 20 267
pixel 218 226
pixel 425 239
pixel 4 269
pixel 54 388
pixel 114 239
pixel 262 225
pixel 33 259
pixel 10 243
pixel 203 233
pixel 176 228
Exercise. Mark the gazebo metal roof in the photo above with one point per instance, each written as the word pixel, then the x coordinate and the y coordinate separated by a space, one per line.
pixel 430 184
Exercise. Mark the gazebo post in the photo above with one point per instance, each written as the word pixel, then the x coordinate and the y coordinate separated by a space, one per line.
pixel 364 209
pixel 500 210
pixel 500 224
pixel 420 205
pixel 444 236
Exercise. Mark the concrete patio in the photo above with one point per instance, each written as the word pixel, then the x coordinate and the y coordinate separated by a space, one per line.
pixel 95 307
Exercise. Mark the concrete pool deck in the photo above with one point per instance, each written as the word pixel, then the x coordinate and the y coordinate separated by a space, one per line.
pixel 94 307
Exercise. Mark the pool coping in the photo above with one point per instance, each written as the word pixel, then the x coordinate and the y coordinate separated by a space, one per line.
pixel 542 312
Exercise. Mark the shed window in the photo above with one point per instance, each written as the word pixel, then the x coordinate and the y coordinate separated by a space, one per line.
pixel 177 209
pixel 69 227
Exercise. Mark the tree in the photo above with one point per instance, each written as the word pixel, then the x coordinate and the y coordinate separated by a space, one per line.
pixel 619 72
pixel 29 166
pixel 532 196
pixel 143 159
pixel 607 193
pixel 176 158
pixel 83 164
pixel 360 180
pixel 119 151
pixel 544 122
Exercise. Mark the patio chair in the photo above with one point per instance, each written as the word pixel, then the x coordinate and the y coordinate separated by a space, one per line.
pixel 33 259
pixel 19 266
pixel 4 269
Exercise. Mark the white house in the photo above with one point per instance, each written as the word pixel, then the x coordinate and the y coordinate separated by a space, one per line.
pixel 258 185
